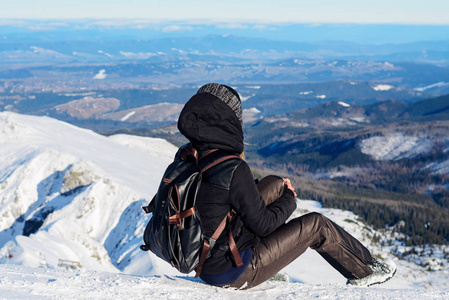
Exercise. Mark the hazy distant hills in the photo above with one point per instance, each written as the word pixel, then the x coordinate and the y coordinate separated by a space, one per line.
pixel 329 135
pixel 249 59
pixel 199 69
pixel 318 72
pixel 112 109
pixel 378 113
pixel 156 50
pixel 113 29
pixel 42 68
pixel 73 37
pixel 340 121
pixel 432 109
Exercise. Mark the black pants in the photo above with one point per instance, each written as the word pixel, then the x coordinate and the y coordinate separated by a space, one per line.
pixel 285 244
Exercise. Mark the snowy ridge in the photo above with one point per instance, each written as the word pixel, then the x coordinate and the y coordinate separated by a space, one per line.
pixel 68 190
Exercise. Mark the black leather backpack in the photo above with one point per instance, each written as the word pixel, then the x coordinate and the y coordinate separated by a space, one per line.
pixel 175 233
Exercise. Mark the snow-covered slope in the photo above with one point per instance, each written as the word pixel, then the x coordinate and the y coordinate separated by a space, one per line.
pixel 69 193
pixel 399 145
pixel 395 146
pixel 76 195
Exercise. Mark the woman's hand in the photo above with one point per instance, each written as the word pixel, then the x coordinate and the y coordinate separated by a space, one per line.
pixel 289 185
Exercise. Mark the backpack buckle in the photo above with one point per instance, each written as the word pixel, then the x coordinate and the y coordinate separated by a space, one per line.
pixel 150 207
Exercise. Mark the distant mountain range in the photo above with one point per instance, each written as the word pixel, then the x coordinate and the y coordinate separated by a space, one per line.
pixel 15 49
pixel 135 29
pixel 296 74
pixel 50 68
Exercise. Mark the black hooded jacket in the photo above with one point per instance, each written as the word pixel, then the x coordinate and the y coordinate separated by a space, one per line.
pixel 209 123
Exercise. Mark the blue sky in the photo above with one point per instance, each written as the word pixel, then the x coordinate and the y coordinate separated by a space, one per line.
pixel 311 11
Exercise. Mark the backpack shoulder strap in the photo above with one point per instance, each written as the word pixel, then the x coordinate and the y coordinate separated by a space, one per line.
pixel 189 152
pixel 213 158
pixel 185 152
pixel 206 162
pixel 209 244
pixel 218 161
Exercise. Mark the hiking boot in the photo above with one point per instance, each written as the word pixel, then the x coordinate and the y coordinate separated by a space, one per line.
pixel 279 277
pixel 382 272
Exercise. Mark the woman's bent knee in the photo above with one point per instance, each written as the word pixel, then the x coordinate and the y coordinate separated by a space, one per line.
pixel 315 216
pixel 271 188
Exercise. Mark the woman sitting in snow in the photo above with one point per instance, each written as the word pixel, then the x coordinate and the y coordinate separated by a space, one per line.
pixel 212 119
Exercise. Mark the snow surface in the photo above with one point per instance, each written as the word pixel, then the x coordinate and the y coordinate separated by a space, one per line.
pixel 101 74
pixel 250 114
pixel 244 98
pixel 435 85
pixel 395 146
pixel 84 188
pixel 343 104
pixel 382 87
pixel 130 114
pixel 87 190
pixel 439 167
pixel 17 282
pixel 28 134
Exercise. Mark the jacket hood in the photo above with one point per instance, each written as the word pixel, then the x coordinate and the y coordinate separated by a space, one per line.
pixel 209 123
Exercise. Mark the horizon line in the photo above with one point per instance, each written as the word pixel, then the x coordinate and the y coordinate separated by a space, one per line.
pixel 208 21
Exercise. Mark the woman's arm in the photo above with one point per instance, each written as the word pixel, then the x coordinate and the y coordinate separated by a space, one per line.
pixel 249 204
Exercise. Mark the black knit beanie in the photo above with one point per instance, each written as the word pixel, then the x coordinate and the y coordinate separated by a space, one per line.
pixel 226 94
